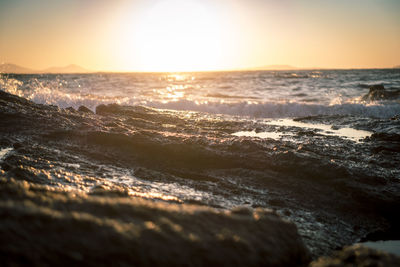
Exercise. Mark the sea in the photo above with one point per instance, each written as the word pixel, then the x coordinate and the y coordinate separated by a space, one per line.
pixel 316 146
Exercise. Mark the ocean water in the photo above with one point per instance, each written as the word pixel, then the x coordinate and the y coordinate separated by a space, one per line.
pixel 307 144
pixel 260 94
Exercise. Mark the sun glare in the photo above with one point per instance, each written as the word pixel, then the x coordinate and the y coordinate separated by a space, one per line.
pixel 177 35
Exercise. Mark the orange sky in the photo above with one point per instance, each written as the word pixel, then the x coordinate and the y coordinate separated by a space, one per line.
pixel 185 35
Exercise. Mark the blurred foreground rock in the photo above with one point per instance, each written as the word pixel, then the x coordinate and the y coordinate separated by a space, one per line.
pixel 358 255
pixel 48 227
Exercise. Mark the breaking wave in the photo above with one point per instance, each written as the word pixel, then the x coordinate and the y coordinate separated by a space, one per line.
pixel 242 108
pixel 277 110
pixel 257 109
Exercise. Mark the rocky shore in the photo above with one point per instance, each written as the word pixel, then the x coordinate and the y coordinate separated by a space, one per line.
pixel 63 197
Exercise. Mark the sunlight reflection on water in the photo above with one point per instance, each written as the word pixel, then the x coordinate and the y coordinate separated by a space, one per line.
pixel 325 129
pixel 272 135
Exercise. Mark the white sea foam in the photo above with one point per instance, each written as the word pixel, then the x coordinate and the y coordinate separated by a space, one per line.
pixel 254 94
pixel 258 109
pixel 281 110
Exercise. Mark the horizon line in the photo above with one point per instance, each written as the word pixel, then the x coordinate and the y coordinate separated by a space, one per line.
pixel 84 70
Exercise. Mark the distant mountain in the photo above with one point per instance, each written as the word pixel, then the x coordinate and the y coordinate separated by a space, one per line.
pixel 275 67
pixel 67 69
pixel 396 67
pixel 12 68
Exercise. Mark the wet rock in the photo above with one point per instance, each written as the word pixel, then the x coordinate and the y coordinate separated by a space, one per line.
pixel 395 118
pixel 136 232
pixel 287 212
pixel 85 110
pixel 17 145
pixel 386 148
pixel 107 109
pixel 200 153
pixel 276 202
pixel 71 109
pixel 358 255
pixel 335 127
pixel 103 190
pixel 385 142
pixel 378 92
pixel 390 137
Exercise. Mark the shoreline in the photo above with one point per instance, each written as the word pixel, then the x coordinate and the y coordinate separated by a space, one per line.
pixel 46 131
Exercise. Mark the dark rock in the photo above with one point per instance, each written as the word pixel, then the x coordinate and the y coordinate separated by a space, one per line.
pixel 386 148
pixel 124 231
pixel 376 87
pixel 71 109
pixel 358 255
pixel 378 92
pixel 395 118
pixel 17 145
pixel 5 166
pixel 335 127
pixel 106 109
pixel 276 202
pixel 287 212
pixel 390 137
pixel 102 190
pixel 85 110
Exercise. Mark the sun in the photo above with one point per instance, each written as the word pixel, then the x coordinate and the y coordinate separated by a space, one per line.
pixel 176 35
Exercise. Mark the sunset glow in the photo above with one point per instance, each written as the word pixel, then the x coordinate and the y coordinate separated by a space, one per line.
pixel 191 35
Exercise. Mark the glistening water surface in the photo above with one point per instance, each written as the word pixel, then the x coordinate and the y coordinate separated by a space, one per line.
pixel 254 93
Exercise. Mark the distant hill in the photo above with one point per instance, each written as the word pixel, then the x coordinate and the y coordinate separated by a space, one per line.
pixel 275 67
pixel 12 68
pixel 396 67
pixel 67 69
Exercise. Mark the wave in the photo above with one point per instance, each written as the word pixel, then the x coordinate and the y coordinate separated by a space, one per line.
pixel 218 95
pixel 280 110
pixel 241 107
pixel 299 75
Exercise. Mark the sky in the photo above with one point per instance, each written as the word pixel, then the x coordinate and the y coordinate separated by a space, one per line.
pixel 192 35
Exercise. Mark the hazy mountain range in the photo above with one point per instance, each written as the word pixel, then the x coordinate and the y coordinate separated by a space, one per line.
pixel 275 67
pixel 12 68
